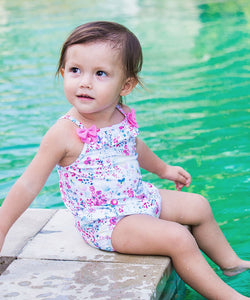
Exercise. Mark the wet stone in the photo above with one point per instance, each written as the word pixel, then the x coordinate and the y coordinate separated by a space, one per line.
pixel 53 262
pixel 5 262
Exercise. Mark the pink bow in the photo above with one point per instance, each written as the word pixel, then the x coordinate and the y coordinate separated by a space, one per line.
pixel 131 118
pixel 88 135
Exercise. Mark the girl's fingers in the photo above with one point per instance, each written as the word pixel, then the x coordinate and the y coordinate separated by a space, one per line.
pixel 179 186
pixel 186 178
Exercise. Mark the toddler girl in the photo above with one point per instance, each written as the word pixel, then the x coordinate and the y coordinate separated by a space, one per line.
pixel 98 156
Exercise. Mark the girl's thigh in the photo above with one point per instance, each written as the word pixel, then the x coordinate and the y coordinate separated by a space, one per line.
pixel 184 208
pixel 144 234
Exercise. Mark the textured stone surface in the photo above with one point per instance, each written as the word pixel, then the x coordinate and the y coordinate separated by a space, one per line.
pixel 45 279
pixel 5 262
pixel 53 262
pixel 27 226
pixel 60 240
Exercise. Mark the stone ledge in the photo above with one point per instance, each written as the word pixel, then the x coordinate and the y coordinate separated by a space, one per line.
pixel 25 228
pixel 53 262
pixel 29 279
pixel 5 261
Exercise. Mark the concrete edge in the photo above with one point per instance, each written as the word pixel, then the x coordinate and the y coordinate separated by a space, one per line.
pixel 16 243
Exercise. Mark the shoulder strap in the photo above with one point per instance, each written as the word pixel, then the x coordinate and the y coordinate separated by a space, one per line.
pixel 68 117
pixel 121 110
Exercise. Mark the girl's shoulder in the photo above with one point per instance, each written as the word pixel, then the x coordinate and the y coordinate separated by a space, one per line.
pixel 57 135
pixel 61 128
pixel 61 135
pixel 65 129
pixel 65 133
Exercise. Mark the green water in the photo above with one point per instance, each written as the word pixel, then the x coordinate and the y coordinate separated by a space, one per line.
pixel 195 112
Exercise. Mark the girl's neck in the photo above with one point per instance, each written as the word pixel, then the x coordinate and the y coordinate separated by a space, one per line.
pixel 100 119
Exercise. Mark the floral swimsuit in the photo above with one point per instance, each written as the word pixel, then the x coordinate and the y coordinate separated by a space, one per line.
pixel 104 184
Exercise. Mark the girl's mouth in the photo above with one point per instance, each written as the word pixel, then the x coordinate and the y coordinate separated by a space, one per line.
pixel 85 97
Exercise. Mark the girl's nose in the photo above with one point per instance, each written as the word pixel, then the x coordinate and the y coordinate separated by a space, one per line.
pixel 86 82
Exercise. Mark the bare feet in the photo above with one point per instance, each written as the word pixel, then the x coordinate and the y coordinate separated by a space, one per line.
pixel 243 266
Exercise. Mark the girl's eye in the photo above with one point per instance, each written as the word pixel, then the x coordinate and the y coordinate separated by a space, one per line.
pixel 75 70
pixel 101 73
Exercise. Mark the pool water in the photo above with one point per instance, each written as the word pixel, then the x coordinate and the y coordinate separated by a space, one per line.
pixel 194 113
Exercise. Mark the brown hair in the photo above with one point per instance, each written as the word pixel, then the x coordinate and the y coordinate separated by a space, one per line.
pixel 119 37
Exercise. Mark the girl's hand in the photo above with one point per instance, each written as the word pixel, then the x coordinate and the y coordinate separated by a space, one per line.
pixel 177 174
pixel 152 163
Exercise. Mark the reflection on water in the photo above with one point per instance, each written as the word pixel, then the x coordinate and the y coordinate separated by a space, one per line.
pixel 196 70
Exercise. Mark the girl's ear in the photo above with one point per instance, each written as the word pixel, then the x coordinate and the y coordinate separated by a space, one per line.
pixel 128 86
pixel 62 72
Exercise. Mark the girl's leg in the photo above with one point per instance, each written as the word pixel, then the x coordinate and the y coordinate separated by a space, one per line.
pixel 194 210
pixel 142 234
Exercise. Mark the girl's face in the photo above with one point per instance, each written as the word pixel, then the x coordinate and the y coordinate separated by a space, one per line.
pixel 94 77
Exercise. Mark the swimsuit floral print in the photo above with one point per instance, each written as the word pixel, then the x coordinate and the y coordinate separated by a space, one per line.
pixel 104 184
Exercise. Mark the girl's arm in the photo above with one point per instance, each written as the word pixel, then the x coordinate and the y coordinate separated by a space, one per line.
pixel 152 163
pixel 27 187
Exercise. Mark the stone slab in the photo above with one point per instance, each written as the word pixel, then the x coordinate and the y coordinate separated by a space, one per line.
pixel 60 240
pixel 50 279
pixel 54 262
pixel 5 262
pixel 27 226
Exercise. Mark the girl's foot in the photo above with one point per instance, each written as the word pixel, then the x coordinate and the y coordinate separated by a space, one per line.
pixel 243 266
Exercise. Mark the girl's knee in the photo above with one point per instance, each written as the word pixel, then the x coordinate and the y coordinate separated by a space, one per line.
pixel 203 208
pixel 181 239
